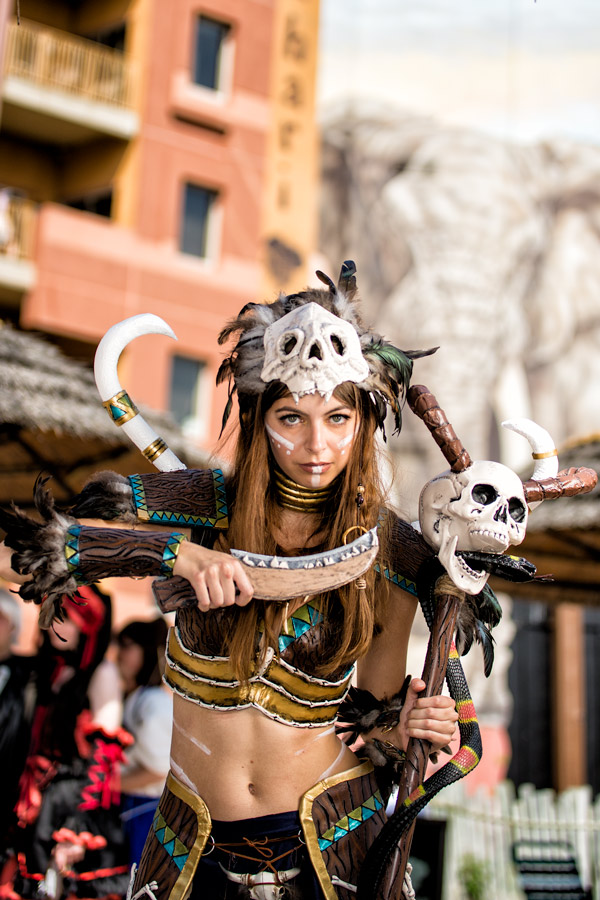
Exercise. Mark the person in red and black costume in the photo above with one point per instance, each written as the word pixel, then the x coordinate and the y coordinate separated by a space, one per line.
pixel 68 808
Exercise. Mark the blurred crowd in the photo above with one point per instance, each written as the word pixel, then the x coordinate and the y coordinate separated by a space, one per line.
pixel 85 728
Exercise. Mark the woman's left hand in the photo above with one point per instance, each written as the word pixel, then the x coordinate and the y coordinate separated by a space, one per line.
pixel 431 719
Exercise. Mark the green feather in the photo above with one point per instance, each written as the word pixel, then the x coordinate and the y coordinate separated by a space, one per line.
pixel 394 358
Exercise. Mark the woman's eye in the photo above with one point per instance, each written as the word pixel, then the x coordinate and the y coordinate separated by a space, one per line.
pixel 290 419
pixel 338 418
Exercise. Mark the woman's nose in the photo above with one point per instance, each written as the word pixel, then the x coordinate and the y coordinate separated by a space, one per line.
pixel 316 438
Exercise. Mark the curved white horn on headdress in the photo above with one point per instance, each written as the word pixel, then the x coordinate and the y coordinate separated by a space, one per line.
pixel 543 449
pixel 117 402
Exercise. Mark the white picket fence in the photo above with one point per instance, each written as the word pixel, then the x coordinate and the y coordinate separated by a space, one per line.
pixel 485 826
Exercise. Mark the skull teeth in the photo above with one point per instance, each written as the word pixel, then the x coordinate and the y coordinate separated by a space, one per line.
pixel 495 535
pixel 472 573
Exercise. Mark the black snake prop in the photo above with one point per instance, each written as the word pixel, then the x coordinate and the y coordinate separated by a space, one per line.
pixel 464 761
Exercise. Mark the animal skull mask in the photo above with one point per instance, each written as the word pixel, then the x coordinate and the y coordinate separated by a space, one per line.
pixel 482 509
pixel 264 885
pixel 310 349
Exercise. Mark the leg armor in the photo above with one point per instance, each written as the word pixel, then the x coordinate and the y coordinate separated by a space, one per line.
pixel 341 817
pixel 174 845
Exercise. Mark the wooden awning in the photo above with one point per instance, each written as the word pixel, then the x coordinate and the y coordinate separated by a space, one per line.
pixel 51 420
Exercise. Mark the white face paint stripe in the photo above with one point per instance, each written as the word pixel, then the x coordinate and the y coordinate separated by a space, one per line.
pixel 280 440
pixel 345 441
pixel 192 739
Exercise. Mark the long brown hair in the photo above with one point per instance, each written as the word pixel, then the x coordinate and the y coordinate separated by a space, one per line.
pixel 255 514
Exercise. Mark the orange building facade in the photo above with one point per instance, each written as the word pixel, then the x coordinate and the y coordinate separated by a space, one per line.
pixel 155 158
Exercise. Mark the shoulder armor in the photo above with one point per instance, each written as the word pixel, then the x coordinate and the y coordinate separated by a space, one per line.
pixel 191 497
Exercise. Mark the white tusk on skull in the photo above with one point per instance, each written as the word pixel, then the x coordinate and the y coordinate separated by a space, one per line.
pixel 543 449
pixel 105 370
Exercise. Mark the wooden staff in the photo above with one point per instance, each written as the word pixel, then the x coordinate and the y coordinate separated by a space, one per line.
pixel 447 602
pixel 447 598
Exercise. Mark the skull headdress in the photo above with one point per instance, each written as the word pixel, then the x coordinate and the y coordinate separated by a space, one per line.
pixel 312 342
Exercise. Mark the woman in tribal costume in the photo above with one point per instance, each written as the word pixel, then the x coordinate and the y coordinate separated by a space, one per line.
pixel 263 799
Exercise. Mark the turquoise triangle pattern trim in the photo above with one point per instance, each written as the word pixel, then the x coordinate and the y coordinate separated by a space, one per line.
pixel 222 512
pixel 396 578
pixel 170 552
pixel 299 626
pixel 351 822
pixel 72 553
pixel 160 827
pixel 164 517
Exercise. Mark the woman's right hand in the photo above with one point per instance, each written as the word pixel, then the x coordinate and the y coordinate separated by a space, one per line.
pixel 217 578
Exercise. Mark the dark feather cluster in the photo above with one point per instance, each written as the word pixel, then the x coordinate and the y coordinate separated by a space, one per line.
pixel 39 550
pixel 361 711
pixel 478 615
pixel 106 496
pixel 476 618
pixel 388 759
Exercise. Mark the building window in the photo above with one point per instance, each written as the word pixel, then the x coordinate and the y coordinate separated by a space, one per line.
pixel 211 41
pixel 187 400
pixel 198 212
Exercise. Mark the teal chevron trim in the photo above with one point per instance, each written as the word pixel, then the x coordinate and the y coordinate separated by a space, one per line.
pixel 169 840
pixel 165 517
pixel 400 580
pixel 174 542
pixel 72 552
pixel 352 821
pixel 298 623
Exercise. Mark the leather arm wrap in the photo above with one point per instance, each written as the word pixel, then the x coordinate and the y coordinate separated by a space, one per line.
pixel 95 553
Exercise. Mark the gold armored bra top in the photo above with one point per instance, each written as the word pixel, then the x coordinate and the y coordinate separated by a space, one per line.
pixel 281 688
pixel 285 687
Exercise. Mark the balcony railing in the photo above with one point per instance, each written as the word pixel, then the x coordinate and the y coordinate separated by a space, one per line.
pixel 17 222
pixel 61 61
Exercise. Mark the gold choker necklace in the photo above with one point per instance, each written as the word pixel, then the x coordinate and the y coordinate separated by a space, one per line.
pixel 292 495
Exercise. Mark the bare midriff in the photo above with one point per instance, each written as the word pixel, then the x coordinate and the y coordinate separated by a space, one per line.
pixel 244 764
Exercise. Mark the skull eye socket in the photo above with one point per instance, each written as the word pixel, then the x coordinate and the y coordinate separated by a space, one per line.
pixel 337 344
pixel 517 510
pixel 484 494
pixel 289 343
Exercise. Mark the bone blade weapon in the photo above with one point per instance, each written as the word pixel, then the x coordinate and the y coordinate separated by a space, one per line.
pixel 277 577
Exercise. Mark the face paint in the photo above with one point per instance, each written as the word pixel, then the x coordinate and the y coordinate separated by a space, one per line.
pixel 344 443
pixel 192 739
pixel 279 440
pixel 315 478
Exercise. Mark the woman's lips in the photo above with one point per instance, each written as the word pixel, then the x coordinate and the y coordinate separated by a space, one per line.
pixel 315 468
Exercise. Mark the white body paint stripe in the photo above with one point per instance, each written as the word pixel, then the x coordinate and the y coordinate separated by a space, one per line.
pixel 192 739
